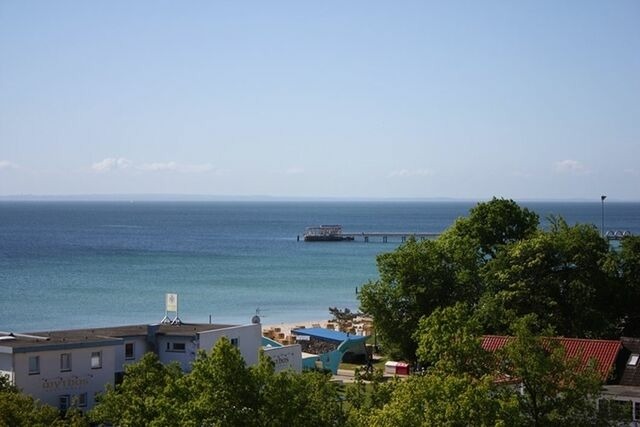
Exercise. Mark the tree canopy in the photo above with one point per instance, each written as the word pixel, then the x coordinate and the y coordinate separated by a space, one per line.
pixel 500 264
pixel 218 391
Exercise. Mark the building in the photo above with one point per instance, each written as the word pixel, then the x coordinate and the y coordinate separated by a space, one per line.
pixel 617 362
pixel 72 366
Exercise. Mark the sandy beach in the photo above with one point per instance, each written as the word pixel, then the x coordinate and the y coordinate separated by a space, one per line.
pixel 285 328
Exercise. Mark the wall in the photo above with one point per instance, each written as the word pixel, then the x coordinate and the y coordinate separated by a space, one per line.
pixel 249 340
pixel 139 348
pixel 287 357
pixel 184 358
pixel 50 383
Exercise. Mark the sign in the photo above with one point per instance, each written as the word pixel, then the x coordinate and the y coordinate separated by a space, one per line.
pixel 68 383
pixel 171 302
pixel 303 337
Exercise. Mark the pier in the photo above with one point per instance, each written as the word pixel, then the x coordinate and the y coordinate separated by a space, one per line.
pixel 381 236
pixel 334 233
pixel 391 235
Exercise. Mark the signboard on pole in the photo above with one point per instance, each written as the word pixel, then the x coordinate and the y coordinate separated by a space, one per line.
pixel 171 302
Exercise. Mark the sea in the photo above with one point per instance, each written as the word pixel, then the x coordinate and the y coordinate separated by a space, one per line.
pixel 77 264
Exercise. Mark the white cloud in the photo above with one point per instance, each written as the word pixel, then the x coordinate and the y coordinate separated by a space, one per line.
pixel 110 163
pixel 158 166
pixel 570 167
pixel 409 172
pixel 175 167
pixel 5 164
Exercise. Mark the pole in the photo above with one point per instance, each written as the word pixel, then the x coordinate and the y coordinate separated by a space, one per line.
pixel 602 200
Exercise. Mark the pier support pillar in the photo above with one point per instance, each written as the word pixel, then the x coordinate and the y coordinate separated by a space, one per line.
pixel 366 239
pixel 384 239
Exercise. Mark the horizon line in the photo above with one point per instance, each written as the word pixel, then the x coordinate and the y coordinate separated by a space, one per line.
pixel 171 197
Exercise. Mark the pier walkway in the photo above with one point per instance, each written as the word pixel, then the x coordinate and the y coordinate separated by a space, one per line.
pixel 391 235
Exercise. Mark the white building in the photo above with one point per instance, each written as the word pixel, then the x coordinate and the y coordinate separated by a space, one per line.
pixel 58 367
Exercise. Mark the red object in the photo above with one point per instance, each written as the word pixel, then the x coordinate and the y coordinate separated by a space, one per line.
pixel 604 352
pixel 402 368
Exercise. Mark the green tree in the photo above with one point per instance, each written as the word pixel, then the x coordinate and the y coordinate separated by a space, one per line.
pixel 629 274
pixel 563 277
pixel 147 397
pixel 555 390
pixel 414 280
pixel 495 224
pixel 419 277
pixel 20 410
pixel 288 398
pixel 221 389
pixel 449 340
pixel 443 400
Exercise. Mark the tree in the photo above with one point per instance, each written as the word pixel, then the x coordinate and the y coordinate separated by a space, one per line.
pixel 629 273
pixel 420 277
pixel 147 396
pixel 449 341
pixel 221 389
pixel 555 390
pixel 443 399
pixel 20 410
pixel 494 224
pixel 562 277
pixel 287 398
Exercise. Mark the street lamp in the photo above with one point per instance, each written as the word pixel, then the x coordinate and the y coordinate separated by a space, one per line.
pixel 602 200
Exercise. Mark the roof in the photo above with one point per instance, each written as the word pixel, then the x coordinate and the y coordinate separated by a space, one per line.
pixel 630 373
pixel 604 352
pixel 328 334
pixel 622 391
pixel 92 337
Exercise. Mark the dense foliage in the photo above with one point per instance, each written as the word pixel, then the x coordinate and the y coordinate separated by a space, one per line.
pixel 499 263
pixel 19 410
pixel 219 391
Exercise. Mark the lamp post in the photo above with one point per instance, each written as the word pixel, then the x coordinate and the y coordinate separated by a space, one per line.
pixel 602 200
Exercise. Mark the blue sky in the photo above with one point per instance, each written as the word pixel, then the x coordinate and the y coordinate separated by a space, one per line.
pixel 321 99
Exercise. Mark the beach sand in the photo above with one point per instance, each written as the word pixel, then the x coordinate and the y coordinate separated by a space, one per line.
pixel 286 328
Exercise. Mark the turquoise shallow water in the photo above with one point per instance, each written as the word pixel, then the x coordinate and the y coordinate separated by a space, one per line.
pixel 77 264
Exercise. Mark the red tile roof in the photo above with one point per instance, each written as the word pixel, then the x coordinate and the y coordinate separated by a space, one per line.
pixel 604 352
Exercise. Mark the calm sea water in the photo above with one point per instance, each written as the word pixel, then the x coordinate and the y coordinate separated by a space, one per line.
pixel 79 264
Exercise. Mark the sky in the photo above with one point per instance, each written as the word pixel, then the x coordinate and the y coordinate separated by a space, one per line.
pixel 362 99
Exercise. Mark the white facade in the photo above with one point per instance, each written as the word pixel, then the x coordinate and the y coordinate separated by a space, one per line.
pixel 287 357
pixel 246 338
pixel 64 367
pixel 59 373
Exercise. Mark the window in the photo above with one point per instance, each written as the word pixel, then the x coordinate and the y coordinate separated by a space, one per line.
pixel 129 351
pixel 234 342
pixel 633 359
pixel 96 360
pixel 63 402
pixel 34 365
pixel 65 362
pixel 176 346
pixel 82 400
